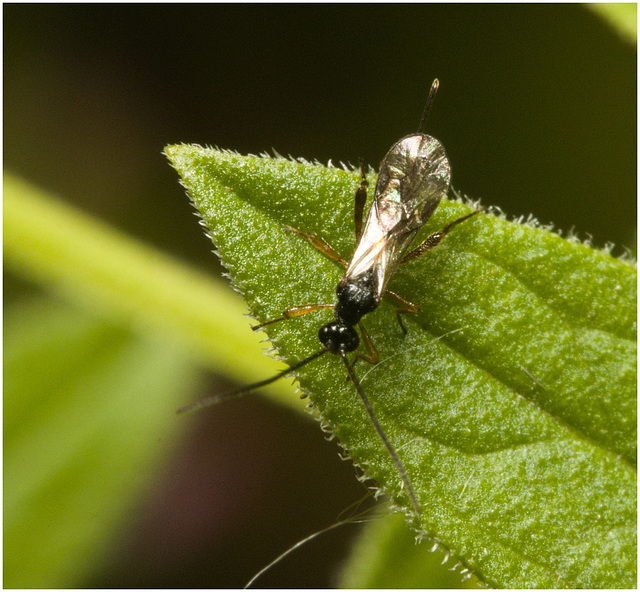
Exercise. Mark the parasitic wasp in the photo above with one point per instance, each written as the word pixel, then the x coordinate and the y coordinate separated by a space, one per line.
pixel 414 176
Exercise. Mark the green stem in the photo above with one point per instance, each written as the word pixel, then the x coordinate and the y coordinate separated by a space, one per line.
pixel 62 248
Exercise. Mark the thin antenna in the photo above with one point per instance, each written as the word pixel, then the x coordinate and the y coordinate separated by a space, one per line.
pixel 383 436
pixel 291 549
pixel 214 399
pixel 432 93
pixel 359 518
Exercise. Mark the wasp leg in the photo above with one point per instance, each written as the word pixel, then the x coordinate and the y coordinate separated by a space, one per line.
pixel 319 243
pixel 294 311
pixel 433 240
pixel 372 356
pixel 361 198
pixel 404 306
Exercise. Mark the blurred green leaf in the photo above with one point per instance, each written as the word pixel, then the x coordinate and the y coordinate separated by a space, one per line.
pixel 57 246
pixel 621 16
pixel 90 397
pixel 84 402
pixel 512 399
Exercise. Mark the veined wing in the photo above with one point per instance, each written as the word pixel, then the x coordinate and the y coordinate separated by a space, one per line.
pixel 414 176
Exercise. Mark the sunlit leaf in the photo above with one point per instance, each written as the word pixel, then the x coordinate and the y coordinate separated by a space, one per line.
pixel 511 401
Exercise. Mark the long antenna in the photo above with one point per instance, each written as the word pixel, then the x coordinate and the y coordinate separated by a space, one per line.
pixel 214 399
pixel 432 93
pixel 374 420
pixel 304 541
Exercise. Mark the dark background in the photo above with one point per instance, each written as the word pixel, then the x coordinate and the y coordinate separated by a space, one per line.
pixel 536 109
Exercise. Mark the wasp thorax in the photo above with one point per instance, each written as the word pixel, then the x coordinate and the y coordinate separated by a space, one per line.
pixel 336 336
pixel 356 298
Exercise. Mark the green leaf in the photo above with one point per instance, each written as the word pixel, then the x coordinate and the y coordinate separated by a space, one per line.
pixel 511 401
pixel 386 555
pixel 91 390
pixel 89 262
pixel 84 402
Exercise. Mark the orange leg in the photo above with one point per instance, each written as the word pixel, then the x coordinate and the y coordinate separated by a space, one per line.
pixel 433 240
pixel 404 306
pixel 372 356
pixel 319 243
pixel 294 311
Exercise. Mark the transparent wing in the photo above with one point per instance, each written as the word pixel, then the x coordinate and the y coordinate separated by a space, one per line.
pixel 414 176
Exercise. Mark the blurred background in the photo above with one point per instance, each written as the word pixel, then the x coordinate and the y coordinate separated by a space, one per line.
pixel 536 109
